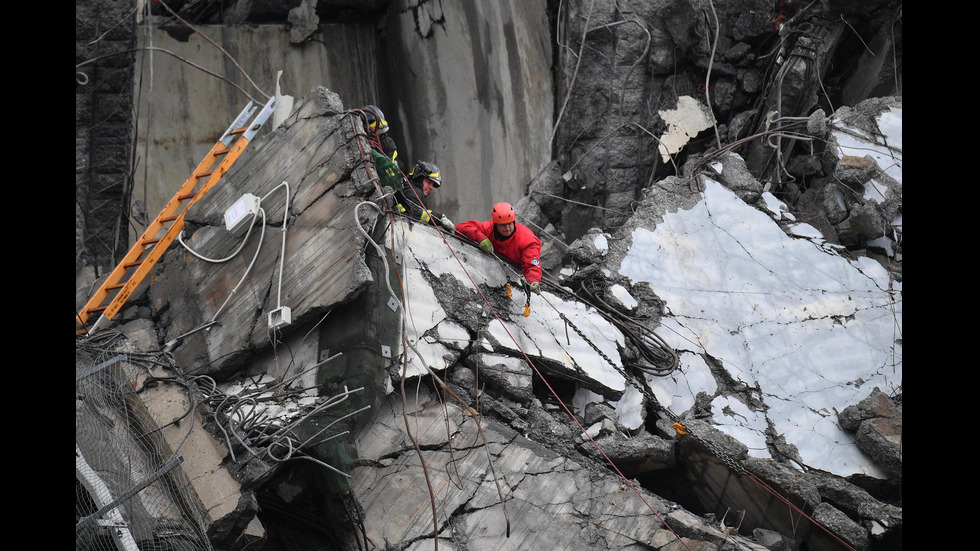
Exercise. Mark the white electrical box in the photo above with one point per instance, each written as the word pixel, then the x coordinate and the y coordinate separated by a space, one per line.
pixel 239 217
pixel 279 317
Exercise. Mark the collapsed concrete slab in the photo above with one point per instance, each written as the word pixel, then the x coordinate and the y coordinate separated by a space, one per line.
pixel 296 252
pixel 381 307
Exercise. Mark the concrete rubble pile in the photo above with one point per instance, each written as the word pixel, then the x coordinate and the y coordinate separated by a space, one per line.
pixel 445 427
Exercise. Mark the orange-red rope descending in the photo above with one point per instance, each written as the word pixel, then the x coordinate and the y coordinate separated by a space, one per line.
pixel 752 477
pixel 769 489
pixel 550 389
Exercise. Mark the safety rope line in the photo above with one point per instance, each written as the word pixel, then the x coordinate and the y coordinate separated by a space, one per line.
pixel 730 462
pixel 432 373
pixel 552 390
pixel 733 464
pixel 790 504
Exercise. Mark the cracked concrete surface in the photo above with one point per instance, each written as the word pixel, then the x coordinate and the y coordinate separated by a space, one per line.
pixel 549 501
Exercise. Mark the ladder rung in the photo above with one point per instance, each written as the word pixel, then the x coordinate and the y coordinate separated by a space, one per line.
pixel 111 307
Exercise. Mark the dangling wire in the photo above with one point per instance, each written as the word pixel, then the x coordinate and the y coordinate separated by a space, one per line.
pixel 552 390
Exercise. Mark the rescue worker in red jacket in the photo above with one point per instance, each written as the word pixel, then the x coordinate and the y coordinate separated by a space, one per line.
pixel 504 236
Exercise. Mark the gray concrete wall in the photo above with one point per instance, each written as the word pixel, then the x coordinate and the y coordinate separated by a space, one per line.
pixel 183 110
pixel 468 87
pixel 473 84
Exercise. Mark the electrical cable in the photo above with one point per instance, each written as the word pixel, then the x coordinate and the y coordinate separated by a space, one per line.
pixel 285 221
pixel 213 43
pixel 180 239
pixel 381 253
pixel 247 270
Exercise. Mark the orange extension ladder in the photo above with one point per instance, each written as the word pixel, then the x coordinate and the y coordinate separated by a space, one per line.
pixel 149 248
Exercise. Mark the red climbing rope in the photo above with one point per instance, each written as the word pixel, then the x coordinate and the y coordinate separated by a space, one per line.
pixel 769 489
pixel 553 393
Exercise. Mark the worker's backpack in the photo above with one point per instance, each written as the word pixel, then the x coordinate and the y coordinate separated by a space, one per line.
pixel 388 172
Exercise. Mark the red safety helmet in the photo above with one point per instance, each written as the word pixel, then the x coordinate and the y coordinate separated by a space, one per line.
pixel 502 213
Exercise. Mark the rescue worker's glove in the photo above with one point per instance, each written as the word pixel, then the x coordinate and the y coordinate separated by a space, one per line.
pixel 536 287
pixel 447 223
pixel 486 245
pixel 426 216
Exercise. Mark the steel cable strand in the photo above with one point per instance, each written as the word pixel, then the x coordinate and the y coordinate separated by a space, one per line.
pixel 406 344
pixel 217 421
pixel 790 504
pixel 213 43
pixel 328 403
pixel 233 411
pixel 707 78
pixel 639 386
pixel 172 54
pixel 292 443
pixel 639 58
pixel 479 426
pixel 457 397
pixel 555 394
pixel 356 519
pixel 292 454
pixel 458 482
pixel 614 317
pixel 415 443
pixel 571 83
pixel 279 442
pixel 622 322
pixel 252 425
pixel 306 442
pixel 99 341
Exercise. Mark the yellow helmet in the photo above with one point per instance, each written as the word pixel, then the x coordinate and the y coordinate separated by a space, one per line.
pixel 376 119
pixel 426 169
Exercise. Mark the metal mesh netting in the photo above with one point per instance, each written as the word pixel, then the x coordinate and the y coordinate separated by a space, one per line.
pixel 130 489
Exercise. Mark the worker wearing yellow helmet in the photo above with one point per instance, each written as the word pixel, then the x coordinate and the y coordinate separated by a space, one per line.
pixel 378 135
pixel 424 177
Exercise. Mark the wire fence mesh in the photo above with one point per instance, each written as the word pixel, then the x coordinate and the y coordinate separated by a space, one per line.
pixel 131 492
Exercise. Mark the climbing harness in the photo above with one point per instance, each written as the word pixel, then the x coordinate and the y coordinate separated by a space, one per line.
pixel 527 301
